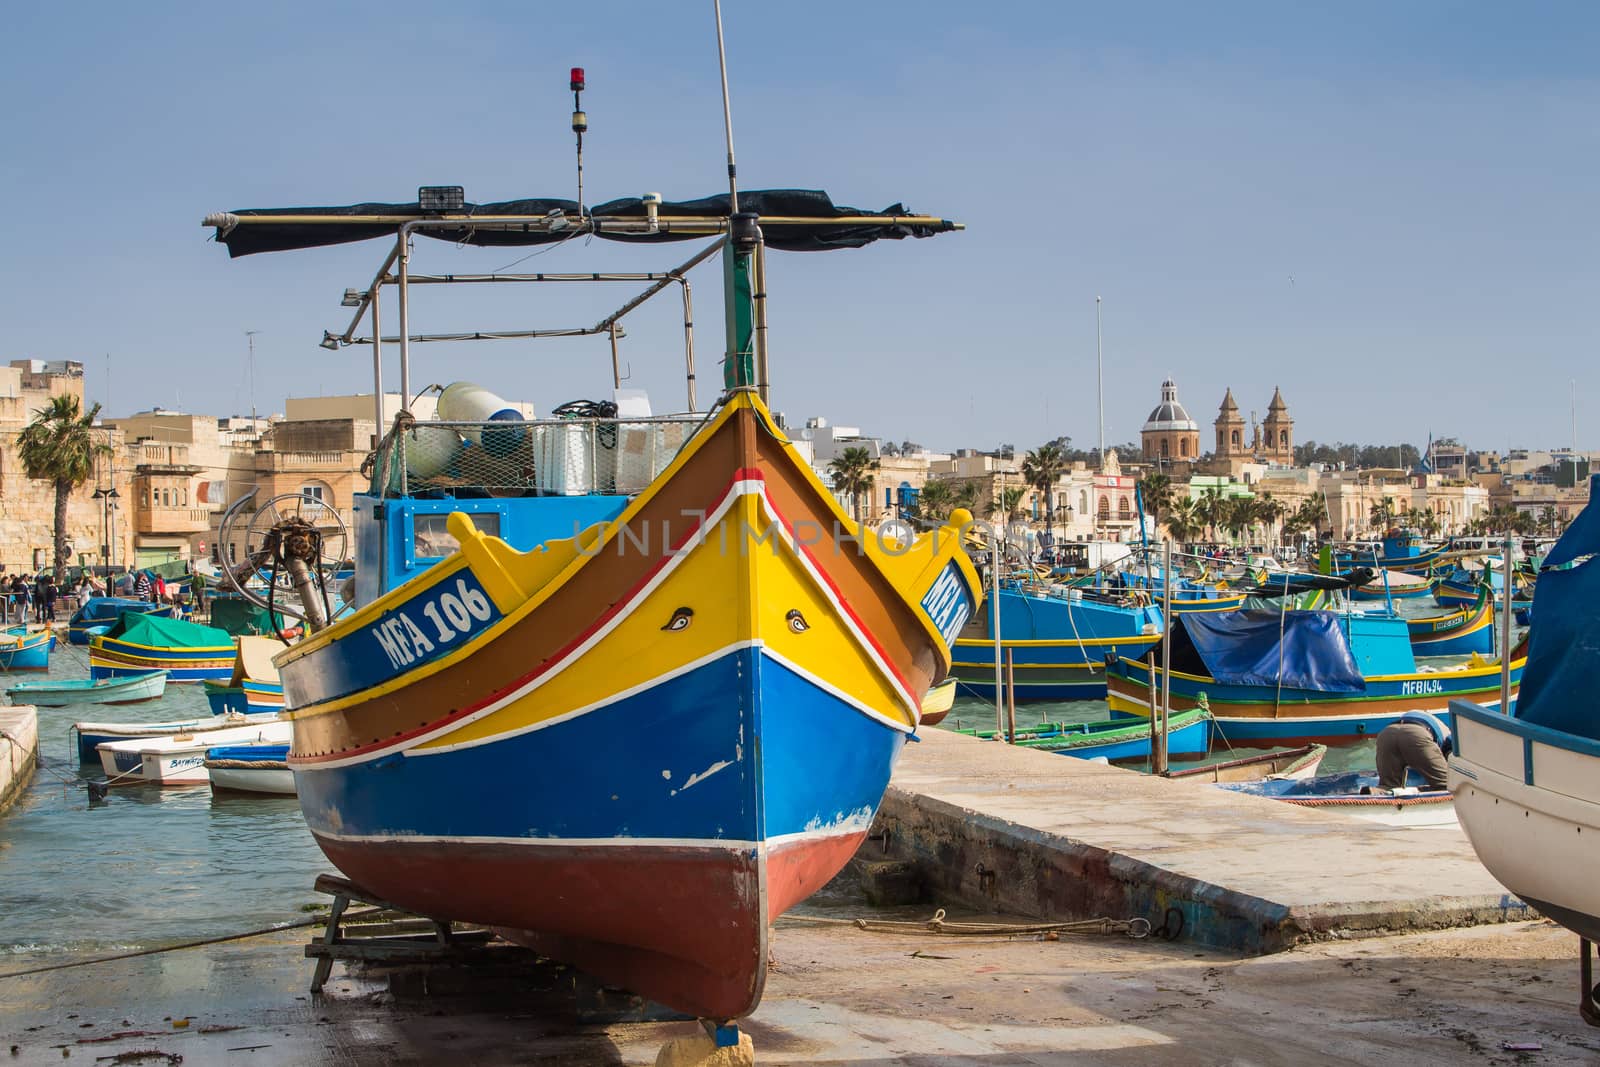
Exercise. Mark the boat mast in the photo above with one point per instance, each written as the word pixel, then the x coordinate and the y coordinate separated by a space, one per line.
pixel 738 257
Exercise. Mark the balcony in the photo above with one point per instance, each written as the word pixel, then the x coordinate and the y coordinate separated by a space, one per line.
pixel 162 519
pixel 151 458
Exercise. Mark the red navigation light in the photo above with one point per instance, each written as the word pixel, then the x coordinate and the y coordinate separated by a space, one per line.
pixel 577 79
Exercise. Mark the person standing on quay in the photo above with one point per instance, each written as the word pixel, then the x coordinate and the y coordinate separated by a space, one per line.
pixel 19 598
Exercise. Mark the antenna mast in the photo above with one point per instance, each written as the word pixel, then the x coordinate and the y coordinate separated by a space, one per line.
pixel 580 126
pixel 727 115
pixel 250 337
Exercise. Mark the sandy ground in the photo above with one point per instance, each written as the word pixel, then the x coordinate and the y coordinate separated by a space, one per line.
pixel 842 996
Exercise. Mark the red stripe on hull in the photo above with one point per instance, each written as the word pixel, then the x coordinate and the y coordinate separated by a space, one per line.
pixel 678 925
pixel 796 869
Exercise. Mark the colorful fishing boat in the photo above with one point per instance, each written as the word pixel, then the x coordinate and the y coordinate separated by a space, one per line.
pixel 139 643
pixel 633 744
pixel 937 704
pixel 1394 585
pixel 1299 677
pixel 1400 550
pixel 1188 734
pixel 106 610
pixel 1057 640
pixel 254 686
pixel 1527 788
pixel 60 692
pixel 255 768
pixel 1458 633
pixel 1459 588
pixel 26 650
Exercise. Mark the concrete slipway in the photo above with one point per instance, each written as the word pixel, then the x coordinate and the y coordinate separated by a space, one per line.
pixel 1045 835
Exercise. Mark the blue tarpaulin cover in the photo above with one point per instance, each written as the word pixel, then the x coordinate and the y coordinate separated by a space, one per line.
pixel 1243 648
pixel 1564 649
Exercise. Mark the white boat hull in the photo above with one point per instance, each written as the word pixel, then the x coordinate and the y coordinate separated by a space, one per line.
pixel 276 780
pixel 180 759
pixel 1529 800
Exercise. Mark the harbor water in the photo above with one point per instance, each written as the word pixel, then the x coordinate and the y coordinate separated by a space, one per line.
pixel 145 866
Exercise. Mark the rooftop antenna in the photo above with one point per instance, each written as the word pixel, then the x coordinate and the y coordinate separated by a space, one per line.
pixel 580 126
pixel 250 338
pixel 1099 380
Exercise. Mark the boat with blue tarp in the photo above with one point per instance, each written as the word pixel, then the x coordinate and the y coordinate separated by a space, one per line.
pixel 105 610
pixel 1358 793
pixel 1299 676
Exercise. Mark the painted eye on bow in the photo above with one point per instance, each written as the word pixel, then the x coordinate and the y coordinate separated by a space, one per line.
pixel 797 622
pixel 680 619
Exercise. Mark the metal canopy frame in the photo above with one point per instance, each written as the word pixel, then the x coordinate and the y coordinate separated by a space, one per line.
pixel 652 224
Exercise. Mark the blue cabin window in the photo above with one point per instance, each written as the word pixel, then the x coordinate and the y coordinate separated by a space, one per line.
pixel 431 537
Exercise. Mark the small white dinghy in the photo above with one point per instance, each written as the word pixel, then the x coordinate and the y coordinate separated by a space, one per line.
pixel 253 768
pixel 179 759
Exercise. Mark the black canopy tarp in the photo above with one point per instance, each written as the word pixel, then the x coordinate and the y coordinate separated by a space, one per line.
pixel 806 236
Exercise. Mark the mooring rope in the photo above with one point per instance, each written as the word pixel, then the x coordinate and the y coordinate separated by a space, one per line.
pixel 298 925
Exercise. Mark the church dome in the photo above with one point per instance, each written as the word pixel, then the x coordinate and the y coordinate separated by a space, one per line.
pixel 1169 415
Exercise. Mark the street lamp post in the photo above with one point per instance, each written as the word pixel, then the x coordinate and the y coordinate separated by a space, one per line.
pixel 107 498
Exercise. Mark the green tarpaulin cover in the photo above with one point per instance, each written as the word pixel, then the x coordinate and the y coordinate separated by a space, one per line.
pixel 168 633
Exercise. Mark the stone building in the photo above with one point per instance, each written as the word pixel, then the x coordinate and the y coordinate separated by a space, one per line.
pixel 1275 443
pixel 27 507
pixel 1169 436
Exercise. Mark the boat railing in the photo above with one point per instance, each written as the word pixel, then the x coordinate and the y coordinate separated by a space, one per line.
pixel 544 457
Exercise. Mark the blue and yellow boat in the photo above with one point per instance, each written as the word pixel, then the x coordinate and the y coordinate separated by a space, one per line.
pixel 1057 640
pixel 1299 677
pixel 1461 632
pixel 22 649
pixel 138 643
pixel 626 716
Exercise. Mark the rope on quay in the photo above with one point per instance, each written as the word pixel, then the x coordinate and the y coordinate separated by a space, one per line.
pixel 297 925
pixel 1136 927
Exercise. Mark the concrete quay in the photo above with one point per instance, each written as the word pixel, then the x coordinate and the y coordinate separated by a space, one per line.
pixel 19 751
pixel 1031 833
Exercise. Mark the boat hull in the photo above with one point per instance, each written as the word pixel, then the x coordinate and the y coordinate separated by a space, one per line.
pixel 278 780
pixel 1529 800
pixel 631 758
pixel 26 652
pixel 131 690
pixel 109 658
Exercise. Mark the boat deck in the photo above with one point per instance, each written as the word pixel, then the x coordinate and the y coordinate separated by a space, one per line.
pixel 1038 834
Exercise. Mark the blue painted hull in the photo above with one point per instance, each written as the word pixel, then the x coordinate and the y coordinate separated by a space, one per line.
pixel 1191 740
pixel 693 726
pixel 33 655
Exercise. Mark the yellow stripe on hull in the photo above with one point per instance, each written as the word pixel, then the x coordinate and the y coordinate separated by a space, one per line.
pixel 727 591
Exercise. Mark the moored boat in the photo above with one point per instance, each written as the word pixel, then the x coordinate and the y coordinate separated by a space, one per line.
pixel 179 758
pixel 105 610
pixel 59 692
pixel 1293 763
pixel 1457 633
pixel 1299 677
pixel 937 704
pixel 258 768
pixel 26 650
pixel 138 643
pixel 91 735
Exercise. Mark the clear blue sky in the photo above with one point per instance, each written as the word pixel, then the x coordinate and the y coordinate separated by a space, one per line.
pixel 1424 172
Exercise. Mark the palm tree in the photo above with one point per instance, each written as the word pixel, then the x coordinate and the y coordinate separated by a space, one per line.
pixel 1238 513
pixel 1212 507
pixel 1009 506
pixel 936 500
pixel 1184 521
pixel 1267 512
pixel 1547 519
pixel 58 446
pixel 1381 513
pixel 1040 469
pixel 852 474
pixel 967 494
pixel 1155 491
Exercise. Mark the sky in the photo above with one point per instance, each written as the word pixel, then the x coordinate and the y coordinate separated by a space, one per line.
pixel 1387 210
